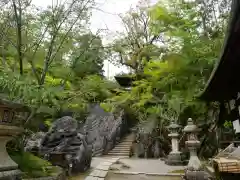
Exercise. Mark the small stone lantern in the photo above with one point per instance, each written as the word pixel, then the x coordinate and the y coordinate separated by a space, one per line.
pixel 8 129
pixel 175 156
pixel 194 170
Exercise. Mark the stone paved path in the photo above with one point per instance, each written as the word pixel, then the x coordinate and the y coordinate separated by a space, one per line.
pixel 101 170
pixel 150 166
pixel 95 162
pixel 134 168
pixel 98 166
pixel 113 176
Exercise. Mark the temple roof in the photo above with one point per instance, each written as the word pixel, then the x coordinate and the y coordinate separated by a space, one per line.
pixel 224 82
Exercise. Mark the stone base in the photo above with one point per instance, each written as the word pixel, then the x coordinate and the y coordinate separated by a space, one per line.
pixel 195 175
pixel 6 163
pixel 175 159
pixel 10 175
pixel 8 168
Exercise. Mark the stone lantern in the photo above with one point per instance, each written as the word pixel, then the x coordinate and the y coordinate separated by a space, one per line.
pixel 175 156
pixel 8 129
pixel 194 170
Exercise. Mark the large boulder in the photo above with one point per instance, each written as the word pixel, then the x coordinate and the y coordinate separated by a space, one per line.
pixel 63 145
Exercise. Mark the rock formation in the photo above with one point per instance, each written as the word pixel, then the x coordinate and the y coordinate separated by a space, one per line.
pixel 103 129
pixel 63 145
pixel 33 143
pixel 97 135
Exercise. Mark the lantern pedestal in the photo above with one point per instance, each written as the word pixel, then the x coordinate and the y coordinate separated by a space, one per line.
pixel 11 115
pixel 175 157
pixel 8 168
pixel 194 170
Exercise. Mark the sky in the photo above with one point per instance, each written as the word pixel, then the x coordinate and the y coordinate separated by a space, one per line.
pixel 105 18
pixel 108 18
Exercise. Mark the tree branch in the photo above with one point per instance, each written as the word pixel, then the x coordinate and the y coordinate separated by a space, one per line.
pixel 50 58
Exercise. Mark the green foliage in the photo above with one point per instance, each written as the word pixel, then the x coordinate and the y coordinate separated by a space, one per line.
pixel 27 91
pixel 95 88
pixel 52 94
pixel 138 44
pixel 171 83
pixel 48 123
pixel 227 124
pixel 171 48
pixel 88 59
pixel 62 60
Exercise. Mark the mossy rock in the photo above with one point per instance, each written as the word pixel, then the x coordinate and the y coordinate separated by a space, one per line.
pixel 33 166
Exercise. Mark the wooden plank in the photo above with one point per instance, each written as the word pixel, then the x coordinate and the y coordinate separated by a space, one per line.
pixel 227 165
pixel 226 160
pixel 231 171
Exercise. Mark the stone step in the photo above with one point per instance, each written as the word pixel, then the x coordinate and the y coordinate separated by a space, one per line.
pixel 127 156
pixel 121 148
pixel 121 156
pixel 128 137
pixel 118 154
pixel 129 142
pixel 123 145
pixel 117 151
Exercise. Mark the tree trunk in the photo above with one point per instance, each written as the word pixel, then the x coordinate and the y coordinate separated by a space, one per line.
pixel 18 17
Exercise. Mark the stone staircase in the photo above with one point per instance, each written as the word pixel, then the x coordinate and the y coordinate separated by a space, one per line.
pixel 122 149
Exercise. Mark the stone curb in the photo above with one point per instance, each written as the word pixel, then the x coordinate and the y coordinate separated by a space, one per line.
pixel 149 174
pixel 101 171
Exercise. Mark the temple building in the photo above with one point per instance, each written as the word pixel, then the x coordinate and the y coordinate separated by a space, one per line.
pixel 224 85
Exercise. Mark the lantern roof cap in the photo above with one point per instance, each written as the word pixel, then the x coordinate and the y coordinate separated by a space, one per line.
pixel 174 125
pixel 190 127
